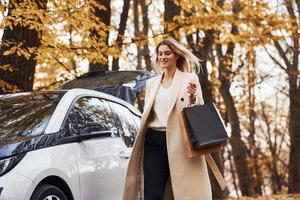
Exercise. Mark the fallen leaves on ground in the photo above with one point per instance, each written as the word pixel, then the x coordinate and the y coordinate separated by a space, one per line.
pixel 273 197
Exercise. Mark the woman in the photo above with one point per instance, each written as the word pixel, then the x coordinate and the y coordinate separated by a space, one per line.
pixel 158 161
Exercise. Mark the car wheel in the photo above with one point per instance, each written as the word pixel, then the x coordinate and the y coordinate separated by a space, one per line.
pixel 48 192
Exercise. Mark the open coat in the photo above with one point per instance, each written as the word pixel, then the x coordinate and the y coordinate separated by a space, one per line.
pixel 188 177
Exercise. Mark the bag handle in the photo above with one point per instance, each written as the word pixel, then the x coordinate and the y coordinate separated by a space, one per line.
pixel 215 170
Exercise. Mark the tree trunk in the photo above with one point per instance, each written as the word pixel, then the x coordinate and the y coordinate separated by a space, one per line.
pixel 256 173
pixel 294 91
pixel 203 51
pixel 105 16
pixel 171 10
pixel 146 52
pixel 233 173
pixel 22 75
pixel 275 177
pixel 121 31
pixel 294 130
pixel 238 147
pixel 137 32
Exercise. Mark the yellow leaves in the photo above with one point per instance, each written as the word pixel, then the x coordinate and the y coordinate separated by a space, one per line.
pixel 140 40
pixel 7 67
pixel 2 8
pixel 10 51
pixel 69 32
pixel 271 197
pixel 255 21
pixel 19 49
pixel 96 4
pixel 7 87
pixel 95 57
pixel 190 6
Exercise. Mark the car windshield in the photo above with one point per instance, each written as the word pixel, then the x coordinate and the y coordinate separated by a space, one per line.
pixel 26 115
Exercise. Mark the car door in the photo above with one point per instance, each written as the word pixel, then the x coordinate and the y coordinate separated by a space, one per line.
pixel 127 123
pixel 101 161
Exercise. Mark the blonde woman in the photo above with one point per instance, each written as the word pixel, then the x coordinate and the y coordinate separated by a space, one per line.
pixel 158 161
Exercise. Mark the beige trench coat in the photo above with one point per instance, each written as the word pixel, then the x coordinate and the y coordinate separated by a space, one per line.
pixel 189 177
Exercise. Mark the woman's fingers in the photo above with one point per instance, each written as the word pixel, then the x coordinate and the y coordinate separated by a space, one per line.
pixel 191 88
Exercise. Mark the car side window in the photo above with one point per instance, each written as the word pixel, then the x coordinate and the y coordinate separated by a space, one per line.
pixel 94 116
pixel 70 127
pixel 137 120
pixel 125 123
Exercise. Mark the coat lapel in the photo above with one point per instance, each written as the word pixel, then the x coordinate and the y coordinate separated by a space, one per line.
pixel 153 89
pixel 176 83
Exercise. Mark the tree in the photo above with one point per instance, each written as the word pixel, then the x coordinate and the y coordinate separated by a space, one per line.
pixel 273 126
pixel 145 50
pixel 288 51
pixel 255 169
pixel 103 15
pixel 171 10
pixel 121 31
pixel 17 63
pixel 66 40
pixel 238 148
pixel 137 32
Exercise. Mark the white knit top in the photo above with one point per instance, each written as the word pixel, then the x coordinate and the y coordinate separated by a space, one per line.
pixel 160 107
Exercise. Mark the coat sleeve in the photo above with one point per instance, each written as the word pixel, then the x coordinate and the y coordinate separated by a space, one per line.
pixel 199 97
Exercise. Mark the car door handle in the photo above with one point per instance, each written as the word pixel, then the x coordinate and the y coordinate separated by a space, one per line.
pixel 124 154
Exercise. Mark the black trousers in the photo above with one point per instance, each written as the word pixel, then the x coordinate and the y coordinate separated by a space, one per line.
pixel 156 165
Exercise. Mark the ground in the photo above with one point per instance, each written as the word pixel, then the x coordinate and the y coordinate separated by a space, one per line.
pixel 273 197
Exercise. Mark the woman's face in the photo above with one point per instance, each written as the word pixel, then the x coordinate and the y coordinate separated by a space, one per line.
pixel 166 57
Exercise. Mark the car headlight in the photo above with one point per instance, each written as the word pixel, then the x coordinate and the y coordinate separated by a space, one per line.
pixel 7 164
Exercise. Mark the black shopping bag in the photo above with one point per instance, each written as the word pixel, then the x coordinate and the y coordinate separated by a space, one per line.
pixel 205 126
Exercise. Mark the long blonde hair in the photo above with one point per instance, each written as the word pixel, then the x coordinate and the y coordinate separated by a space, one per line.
pixel 187 61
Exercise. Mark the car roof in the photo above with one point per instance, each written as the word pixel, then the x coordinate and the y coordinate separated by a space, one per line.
pixel 75 93
pixel 7 96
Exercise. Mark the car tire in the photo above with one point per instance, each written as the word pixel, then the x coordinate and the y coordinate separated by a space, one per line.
pixel 48 192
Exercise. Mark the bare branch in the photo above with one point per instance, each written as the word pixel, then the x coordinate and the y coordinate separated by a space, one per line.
pixel 289 6
pixel 282 54
pixel 275 60
pixel 64 66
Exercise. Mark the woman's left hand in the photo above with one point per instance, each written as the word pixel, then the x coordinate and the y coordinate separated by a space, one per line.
pixel 192 90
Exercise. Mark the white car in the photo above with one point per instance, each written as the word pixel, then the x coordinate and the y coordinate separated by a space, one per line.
pixel 65 145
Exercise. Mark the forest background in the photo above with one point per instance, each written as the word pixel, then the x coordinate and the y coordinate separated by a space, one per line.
pixel 249 52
